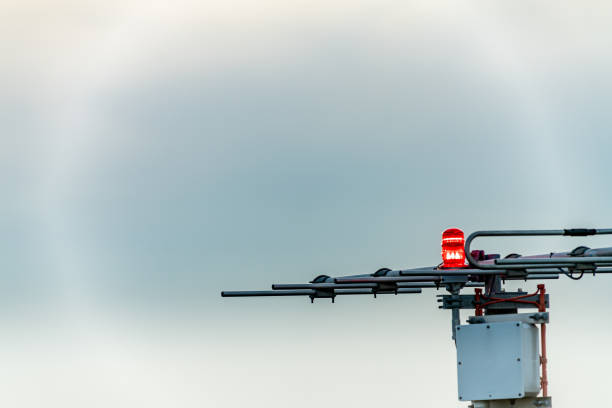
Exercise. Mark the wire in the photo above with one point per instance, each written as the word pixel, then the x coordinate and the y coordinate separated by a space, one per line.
pixel 517 299
pixel 571 274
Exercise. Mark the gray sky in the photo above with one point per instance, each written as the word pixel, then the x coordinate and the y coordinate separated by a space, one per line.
pixel 153 155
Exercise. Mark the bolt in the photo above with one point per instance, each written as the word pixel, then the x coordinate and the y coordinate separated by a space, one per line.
pixel 460 363
pixel 520 394
pixel 518 324
pixel 488 327
pixel 518 359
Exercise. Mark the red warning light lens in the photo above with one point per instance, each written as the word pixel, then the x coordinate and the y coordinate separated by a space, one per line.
pixel 453 253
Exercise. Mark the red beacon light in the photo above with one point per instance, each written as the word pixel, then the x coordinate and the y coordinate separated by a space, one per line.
pixel 453 252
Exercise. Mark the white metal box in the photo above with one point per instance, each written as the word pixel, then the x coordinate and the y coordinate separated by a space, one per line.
pixel 498 361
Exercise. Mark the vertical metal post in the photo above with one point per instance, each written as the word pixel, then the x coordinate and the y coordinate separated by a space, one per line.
pixel 477 294
pixel 456 321
pixel 453 289
pixel 543 359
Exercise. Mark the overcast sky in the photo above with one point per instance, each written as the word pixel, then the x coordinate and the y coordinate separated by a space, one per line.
pixel 153 154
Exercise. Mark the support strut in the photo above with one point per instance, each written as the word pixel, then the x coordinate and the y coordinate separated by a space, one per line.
pixel 543 358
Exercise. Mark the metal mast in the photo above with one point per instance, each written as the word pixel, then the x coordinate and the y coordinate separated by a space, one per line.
pixel 497 340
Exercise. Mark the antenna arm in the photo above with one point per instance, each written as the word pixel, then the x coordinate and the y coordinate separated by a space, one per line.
pixel 500 263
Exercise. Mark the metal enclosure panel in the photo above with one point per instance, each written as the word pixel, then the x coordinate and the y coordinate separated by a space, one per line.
pixel 497 361
pixel 531 359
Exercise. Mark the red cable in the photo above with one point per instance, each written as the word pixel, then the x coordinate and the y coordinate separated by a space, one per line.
pixel 514 299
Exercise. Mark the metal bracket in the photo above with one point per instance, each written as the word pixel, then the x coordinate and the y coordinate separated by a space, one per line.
pixel 469 301
pixel 531 318
pixel 528 402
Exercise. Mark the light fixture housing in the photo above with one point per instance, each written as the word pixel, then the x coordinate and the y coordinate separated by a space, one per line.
pixel 453 252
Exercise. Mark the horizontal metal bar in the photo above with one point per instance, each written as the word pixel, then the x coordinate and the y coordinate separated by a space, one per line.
pixel 397 291
pixel 366 292
pixel 390 279
pixel 556 271
pixel 535 233
pixel 598 252
pixel 555 260
pixel 522 233
pixel 353 292
pixel 511 273
pixel 450 272
pixel 531 265
pixel 504 273
pixel 283 286
pixel 600 270
pixel 534 276
pixel 583 232
pixel 426 285
pixel 417 285
pixel 420 271
pixel 249 293
pixel 340 286
pixel 409 290
pixel 525 264
pixel 317 294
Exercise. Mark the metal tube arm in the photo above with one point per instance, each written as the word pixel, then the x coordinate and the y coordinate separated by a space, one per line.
pixel 576 232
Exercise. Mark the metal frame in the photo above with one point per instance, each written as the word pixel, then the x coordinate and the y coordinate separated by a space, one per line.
pixel 488 272
pixel 596 259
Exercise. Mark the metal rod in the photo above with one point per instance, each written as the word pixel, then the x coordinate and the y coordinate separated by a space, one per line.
pixel 522 233
pixel 455 321
pixel 555 260
pixel 282 286
pixel 544 359
pixel 353 292
pixel 268 293
pixel 532 265
pixel 542 308
pixel 449 272
pixel 409 290
pixel 390 279
pixel 598 252
pixel 425 285
pixel 539 273
pixel 545 271
pixel 534 276
pixel 316 294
